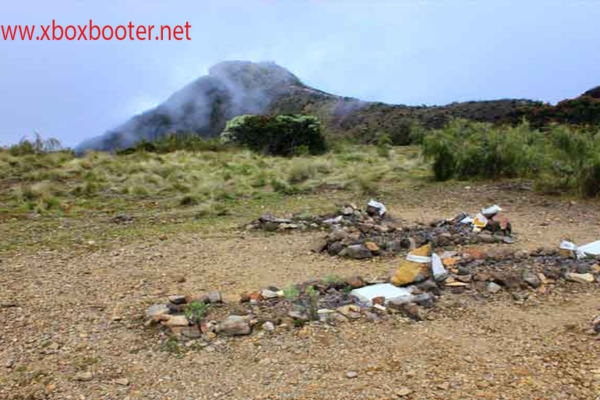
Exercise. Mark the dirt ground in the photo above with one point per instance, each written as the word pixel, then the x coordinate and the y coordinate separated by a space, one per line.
pixel 67 311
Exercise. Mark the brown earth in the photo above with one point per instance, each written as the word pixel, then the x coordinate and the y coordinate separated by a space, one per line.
pixel 64 311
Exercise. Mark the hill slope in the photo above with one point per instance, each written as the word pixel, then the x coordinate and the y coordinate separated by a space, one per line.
pixel 238 87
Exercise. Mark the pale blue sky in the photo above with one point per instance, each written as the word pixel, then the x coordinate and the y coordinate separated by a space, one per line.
pixel 411 52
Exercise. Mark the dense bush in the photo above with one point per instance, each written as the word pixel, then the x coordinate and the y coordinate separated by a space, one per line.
pixel 281 135
pixel 187 141
pixel 562 158
pixel 582 111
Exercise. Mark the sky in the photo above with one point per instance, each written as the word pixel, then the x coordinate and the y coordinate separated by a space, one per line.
pixel 403 52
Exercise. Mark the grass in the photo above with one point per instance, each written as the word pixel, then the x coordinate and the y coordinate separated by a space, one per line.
pixel 61 184
pixel 560 159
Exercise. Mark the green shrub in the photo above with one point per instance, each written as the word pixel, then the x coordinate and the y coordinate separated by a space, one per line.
pixel 466 149
pixel 281 135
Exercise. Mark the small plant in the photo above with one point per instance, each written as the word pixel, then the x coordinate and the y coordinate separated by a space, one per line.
pixel 332 279
pixel 384 144
pixel 313 303
pixel 172 345
pixel 195 312
pixel 291 293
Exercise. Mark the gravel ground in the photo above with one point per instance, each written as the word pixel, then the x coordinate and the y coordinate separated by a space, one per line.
pixel 72 328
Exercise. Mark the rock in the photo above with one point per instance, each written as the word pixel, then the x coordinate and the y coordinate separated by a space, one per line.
pixel 191 332
pixel 270 226
pixel 476 254
pixel 215 297
pixel 347 211
pixel 122 381
pixel 378 300
pixel 444 239
pixel 486 237
pixel 234 325
pixel 403 392
pixel 337 235
pixel 336 318
pixel 356 282
pixel 176 320
pixel 268 294
pixel 372 246
pixel 298 316
pixel 197 298
pixel 286 227
pixel 350 311
pixel 413 311
pixel 335 248
pixel 177 299
pixel 521 254
pixel 268 326
pixel 84 376
pixel 9 363
pixel 179 278
pixel 580 278
pixel 157 310
pixel 319 246
pixel 356 251
pixel 493 287
pixel 413 272
pixel 351 374
pixel 552 272
pixel 532 279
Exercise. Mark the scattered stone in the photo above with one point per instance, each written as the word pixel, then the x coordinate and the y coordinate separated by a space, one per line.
pixel 351 374
pixel 413 311
pixel 191 332
pixel 84 376
pixel 493 287
pixel 177 299
pixel 215 297
pixel 122 381
pixel 403 392
pixel 532 279
pixel 234 325
pixel 357 251
pixel 355 282
pixel 580 278
pixel 157 310
pixel 176 320
pixel 268 294
pixel 268 326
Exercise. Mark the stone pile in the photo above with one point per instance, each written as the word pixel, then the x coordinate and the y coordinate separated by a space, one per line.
pixel 361 234
pixel 333 300
pixel 348 215
pixel 366 240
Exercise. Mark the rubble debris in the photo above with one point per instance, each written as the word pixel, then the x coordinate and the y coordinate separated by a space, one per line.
pixel 122 219
pixel 359 234
pixel 375 208
pixel 415 268
pixel 388 292
pixel 590 249
pixel 335 300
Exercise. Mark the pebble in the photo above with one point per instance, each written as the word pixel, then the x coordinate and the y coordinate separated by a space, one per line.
pixel 403 392
pixel 351 374
pixel 493 287
pixel 84 376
